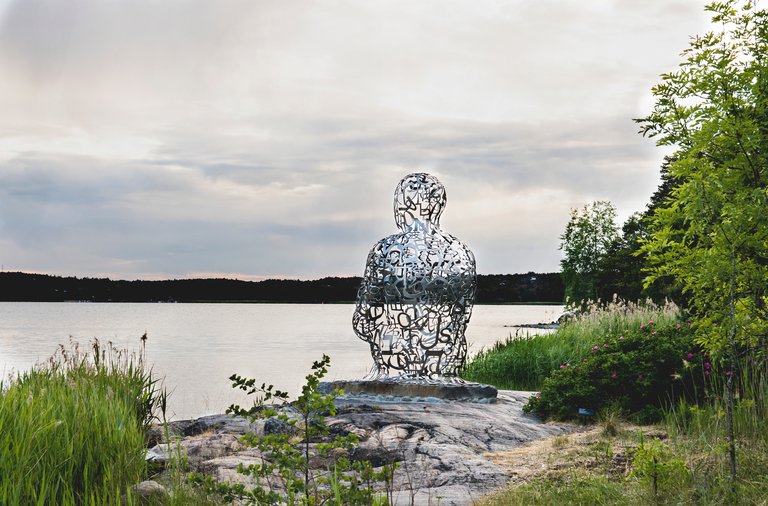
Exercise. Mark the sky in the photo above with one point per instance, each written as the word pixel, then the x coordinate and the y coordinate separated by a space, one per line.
pixel 254 139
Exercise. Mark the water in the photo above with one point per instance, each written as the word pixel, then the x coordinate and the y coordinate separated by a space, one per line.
pixel 196 347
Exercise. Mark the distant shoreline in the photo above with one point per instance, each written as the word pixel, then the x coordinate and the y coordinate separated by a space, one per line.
pixel 529 288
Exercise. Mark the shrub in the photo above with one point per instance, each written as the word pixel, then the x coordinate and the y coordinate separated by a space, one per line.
pixel 303 463
pixel 638 372
pixel 524 363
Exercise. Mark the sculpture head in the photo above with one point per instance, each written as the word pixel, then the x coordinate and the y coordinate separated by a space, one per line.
pixel 419 197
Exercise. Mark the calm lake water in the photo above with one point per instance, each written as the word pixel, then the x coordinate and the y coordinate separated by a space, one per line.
pixel 196 347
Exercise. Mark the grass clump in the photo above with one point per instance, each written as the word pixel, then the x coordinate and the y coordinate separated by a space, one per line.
pixel 72 431
pixel 524 364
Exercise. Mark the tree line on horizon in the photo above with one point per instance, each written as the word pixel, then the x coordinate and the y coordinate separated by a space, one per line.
pixel 29 287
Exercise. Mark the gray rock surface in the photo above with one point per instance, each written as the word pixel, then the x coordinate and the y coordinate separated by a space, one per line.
pixel 441 447
pixel 148 492
pixel 405 390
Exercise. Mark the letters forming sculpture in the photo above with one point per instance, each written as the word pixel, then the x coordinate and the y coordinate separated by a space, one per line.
pixel 418 289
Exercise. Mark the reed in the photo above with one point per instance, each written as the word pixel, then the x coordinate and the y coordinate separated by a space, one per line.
pixel 524 363
pixel 72 430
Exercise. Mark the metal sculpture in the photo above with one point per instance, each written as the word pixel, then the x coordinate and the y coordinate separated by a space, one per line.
pixel 418 289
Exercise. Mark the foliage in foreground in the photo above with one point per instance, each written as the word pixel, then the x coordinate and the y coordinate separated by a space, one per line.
pixel 688 466
pixel 301 464
pixel 712 231
pixel 72 430
pixel 524 364
pixel 638 371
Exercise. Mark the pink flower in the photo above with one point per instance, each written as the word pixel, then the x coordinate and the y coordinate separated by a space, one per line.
pixel 653 333
pixel 689 356
pixel 650 322
pixel 567 364
pixel 678 326
pixel 595 348
pixel 614 376
pixel 707 365
pixel 689 324
pixel 621 338
pixel 706 373
pixel 605 345
pixel 562 366
pixel 642 327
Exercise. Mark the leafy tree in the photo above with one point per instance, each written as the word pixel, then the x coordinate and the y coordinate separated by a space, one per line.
pixel 620 269
pixel 586 240
pixel 711 232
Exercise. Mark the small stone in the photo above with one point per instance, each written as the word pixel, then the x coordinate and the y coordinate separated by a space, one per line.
pixel 149 492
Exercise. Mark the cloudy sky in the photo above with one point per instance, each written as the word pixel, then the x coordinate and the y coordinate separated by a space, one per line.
pixel 156 139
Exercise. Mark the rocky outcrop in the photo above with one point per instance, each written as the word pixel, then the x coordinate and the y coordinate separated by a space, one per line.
pixel 442 447
pixel 410 390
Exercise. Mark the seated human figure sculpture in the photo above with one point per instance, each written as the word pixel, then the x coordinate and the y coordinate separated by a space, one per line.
pixel 417 293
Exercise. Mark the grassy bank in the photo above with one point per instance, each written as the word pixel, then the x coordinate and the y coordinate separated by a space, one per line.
pixel 524 363
pixel 72 431
pixel 682 460
pixel 617 467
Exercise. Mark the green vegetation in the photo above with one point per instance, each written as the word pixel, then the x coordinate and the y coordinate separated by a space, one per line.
pixel 711 233
pixel 585 242
pixel 304 465
pixel 73 430
pixel 684 460
pixel 639 371
pixel 524 364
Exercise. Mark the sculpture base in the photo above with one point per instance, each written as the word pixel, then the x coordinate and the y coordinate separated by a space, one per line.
pixel 410 390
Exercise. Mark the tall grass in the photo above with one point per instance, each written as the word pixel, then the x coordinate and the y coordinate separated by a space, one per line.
pixel 72 431
pixel 699 433
pixel 524 363
pixel 697 440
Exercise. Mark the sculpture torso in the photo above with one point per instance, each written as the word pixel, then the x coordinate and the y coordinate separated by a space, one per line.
pixel 417 294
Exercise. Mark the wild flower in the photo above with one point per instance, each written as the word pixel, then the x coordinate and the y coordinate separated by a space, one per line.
pixel 689 356
pixel 707 365
pixel 653 333
pixel 595 348
pixel 677 325
pixel 621 338
pixel 614 376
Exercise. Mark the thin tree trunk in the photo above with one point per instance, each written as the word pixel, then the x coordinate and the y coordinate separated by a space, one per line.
pixel 731 367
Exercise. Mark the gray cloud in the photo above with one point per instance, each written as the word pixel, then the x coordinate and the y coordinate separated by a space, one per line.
pixel 257 138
